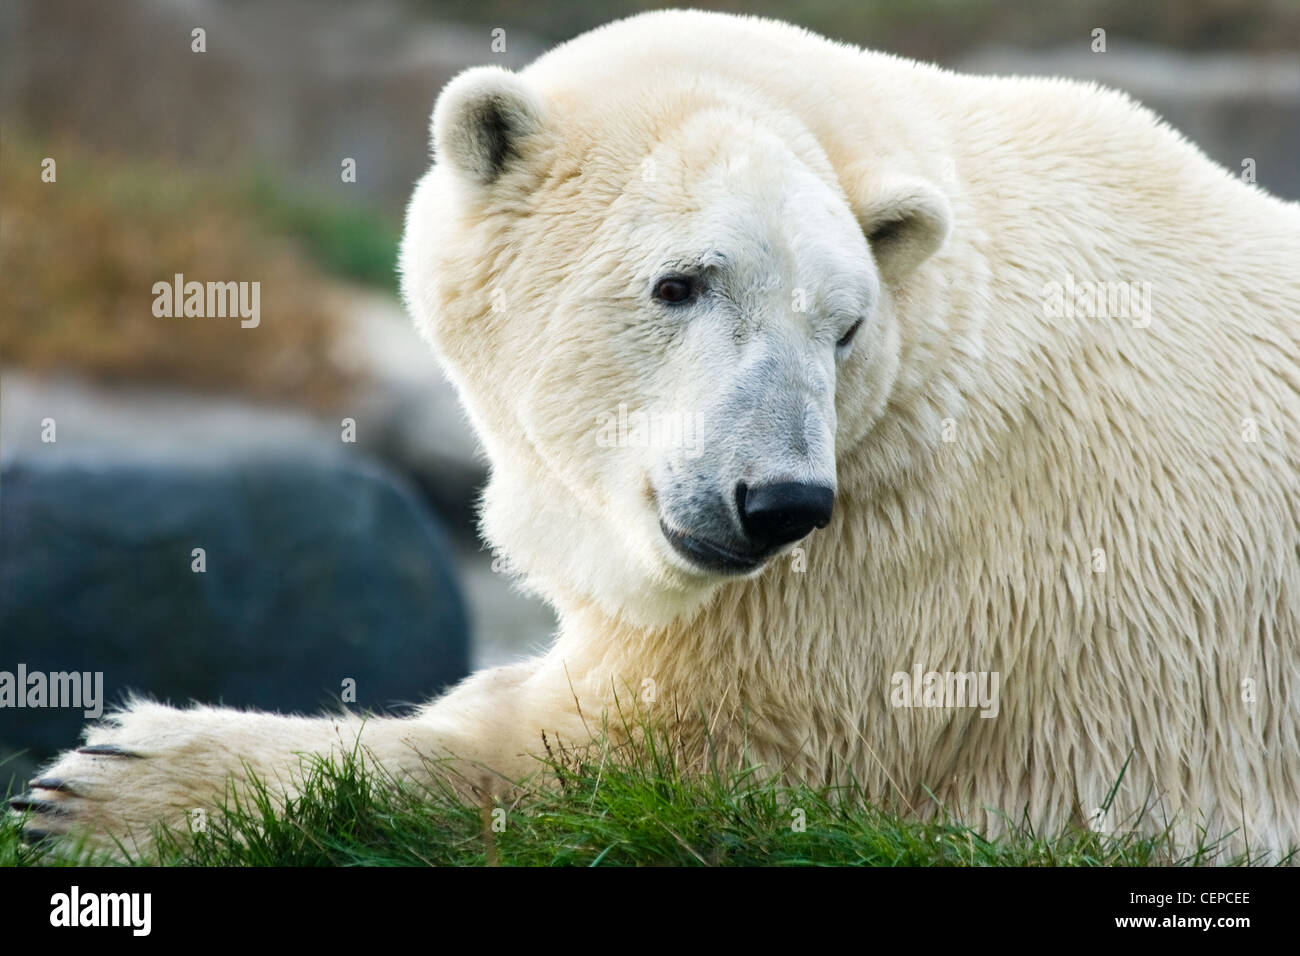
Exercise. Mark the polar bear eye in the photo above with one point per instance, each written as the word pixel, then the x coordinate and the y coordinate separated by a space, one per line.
pixel 844 341
pixel 674 289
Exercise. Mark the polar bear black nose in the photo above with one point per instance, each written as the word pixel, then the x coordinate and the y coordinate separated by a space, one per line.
pixel 778 514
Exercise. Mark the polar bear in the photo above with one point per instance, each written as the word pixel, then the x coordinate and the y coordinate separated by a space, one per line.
pixel 980 483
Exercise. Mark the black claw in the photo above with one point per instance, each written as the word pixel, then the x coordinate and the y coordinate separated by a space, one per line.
pixel 107 750
pixel 30 802
pixel 32 837
pixel 53 783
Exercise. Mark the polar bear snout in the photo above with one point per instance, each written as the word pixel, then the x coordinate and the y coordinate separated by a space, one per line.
pixel 766 475
pixel 769 517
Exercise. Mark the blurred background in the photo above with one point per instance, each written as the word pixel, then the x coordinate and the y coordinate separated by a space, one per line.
pixel 182 504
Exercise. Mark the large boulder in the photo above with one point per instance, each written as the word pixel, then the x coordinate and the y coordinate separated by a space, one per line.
pixel 316 576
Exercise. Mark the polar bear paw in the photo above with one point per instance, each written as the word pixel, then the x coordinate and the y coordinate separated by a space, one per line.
pixel 147 765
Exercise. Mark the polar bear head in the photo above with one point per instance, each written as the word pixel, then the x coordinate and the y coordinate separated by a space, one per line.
pixel 666 321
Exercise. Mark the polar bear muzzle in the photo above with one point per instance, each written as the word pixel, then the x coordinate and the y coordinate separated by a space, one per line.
pixel 771 516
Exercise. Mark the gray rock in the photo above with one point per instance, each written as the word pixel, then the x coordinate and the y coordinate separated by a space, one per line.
pixel 407 413
pixel 316 573
pixel 407 416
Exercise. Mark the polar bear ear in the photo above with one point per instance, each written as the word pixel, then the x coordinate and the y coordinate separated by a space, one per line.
pixel 906 220
pixel 481 120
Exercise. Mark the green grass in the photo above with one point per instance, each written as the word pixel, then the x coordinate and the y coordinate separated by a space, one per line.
pixel 596 812
pixel 351 241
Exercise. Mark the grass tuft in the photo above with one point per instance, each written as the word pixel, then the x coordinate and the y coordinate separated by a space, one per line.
pixel 589 809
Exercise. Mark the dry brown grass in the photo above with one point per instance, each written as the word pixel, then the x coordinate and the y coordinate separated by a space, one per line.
pixel 80 257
